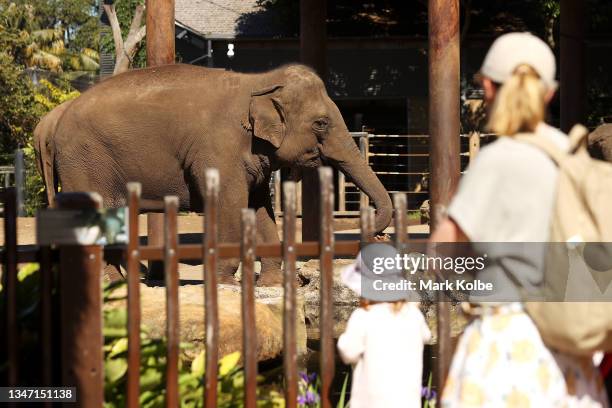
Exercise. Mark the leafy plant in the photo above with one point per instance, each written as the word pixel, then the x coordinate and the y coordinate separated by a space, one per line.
pixel 153 367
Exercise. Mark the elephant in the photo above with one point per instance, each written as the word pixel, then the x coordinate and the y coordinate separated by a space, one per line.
pixel 43 146
pixel 600 142
pixel 164 126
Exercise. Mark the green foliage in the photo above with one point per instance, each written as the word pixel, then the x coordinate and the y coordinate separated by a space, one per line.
pixel 153 366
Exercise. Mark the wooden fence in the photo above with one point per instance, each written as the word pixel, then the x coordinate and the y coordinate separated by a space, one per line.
pixel 79 286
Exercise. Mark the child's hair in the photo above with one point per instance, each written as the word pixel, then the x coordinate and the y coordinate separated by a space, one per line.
pixel 395 306
pixel 520 103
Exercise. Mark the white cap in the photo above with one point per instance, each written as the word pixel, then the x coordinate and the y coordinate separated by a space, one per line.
pixel 513 49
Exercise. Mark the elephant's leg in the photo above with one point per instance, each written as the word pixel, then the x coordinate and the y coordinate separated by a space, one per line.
pixel 233 196
pixel 271 274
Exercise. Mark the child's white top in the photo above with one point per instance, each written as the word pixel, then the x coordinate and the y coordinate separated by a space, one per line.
pixel 387 350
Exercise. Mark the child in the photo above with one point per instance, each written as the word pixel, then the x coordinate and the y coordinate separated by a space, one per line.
pixel 383 340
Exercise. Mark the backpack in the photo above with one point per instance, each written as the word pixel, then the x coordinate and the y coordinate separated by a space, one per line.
pixel 581 217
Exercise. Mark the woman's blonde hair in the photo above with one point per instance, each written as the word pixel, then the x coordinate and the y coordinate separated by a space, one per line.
pixel 520 103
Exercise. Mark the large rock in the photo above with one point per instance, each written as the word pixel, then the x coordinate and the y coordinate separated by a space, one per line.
pixel 268 314
pixel 345 301
pixel 600 142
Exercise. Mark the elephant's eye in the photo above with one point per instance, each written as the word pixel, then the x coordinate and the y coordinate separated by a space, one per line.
pixel 320 125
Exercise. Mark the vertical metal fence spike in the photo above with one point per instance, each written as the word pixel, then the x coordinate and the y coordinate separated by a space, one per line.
pixel 249 333
pixel 20 182
pixel 133 300
pixel 289 304
pixel 211 314
pixel 172 300
pixel 326 245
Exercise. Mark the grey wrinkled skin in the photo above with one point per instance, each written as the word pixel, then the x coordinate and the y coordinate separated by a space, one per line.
pixel 164 126
pixel 600 142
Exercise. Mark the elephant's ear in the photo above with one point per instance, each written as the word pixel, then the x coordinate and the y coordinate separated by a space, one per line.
pixel 266 115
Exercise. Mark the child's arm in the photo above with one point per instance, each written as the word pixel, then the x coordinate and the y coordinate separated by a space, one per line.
pixel 351 343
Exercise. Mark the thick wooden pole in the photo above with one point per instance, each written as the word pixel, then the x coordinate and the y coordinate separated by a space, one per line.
pixel 572 63
pixel 160 32
pixel 313 52
pixel 444 136
pixel 160 51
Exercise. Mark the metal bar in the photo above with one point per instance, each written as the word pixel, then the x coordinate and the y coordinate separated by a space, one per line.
pixel 399 203
pixel 327 272
pixel 299 198
pixel 211 313
pixel 172 300
pixel 10 282
pixel 20 181
pixel 364 200
pixel 80 297
pixel 133 300
pixel 46 316
pixel 341 192
pixel 249 333
pixel 444 140
pixel 277 190
pixel 289 306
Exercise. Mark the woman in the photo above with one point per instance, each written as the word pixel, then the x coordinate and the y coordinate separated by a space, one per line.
pixel 507 196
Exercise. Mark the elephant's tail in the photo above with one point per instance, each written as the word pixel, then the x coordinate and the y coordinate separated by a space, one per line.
pixel 45 161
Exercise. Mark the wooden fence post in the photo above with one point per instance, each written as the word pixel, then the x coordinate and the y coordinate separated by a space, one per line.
pixel 249 332
pixel 133 300
pixel 326 248
pixel 10 283
pixel 289 286
pixel 211 314
pixel 80 288
pixel 172 300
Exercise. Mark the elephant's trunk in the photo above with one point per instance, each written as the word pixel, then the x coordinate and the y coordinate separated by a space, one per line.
pixel 347 158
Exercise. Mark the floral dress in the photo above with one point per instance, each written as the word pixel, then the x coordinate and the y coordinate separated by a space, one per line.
pixel 501 361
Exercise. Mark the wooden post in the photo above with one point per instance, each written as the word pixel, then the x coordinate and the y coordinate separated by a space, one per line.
pixel 80 288
pixel 326 248
pixel 572 63
pixel 249 330
pixel 289 308
pixel 474 145
pixel 172 300
pixel 444 136
pixel 211 314
pixel 10 282
pixel 160 32
pixel 133 300
pixel 160 51
pixel 313 52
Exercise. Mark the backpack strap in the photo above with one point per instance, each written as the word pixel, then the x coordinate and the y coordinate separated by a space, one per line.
pixel 578 138
pixel 548 147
